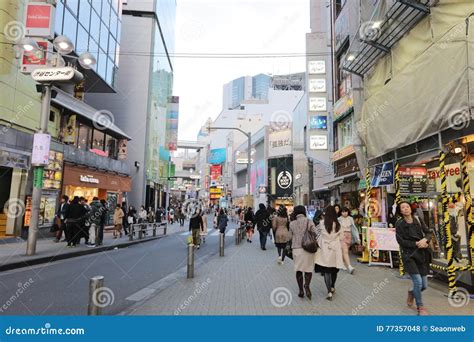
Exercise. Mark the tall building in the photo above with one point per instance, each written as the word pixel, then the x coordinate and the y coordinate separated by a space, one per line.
pixel 86 158
pixel 244 89
pixel 143 100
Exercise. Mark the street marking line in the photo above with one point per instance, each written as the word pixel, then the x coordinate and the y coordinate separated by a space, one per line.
pixel 215 233
pixel 140 295
pixel 230 232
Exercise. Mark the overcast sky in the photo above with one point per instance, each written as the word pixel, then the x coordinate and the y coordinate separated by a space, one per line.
pixel 229 27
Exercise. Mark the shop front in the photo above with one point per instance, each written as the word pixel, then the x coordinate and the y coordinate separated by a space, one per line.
pixel 280 180
pixel 89 183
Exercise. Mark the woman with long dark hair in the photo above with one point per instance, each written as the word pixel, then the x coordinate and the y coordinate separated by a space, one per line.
pixel 328 260
pixel 280 232
pixel 304 261
pixel 413 236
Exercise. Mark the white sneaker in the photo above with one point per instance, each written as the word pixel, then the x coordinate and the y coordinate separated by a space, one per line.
pixel 351 270
pixel 329 296
pixel 279 260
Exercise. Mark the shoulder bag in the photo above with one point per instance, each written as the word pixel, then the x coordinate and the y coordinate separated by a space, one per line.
pixel 309 242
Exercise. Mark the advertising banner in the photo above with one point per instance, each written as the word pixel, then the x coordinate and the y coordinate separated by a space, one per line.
pixel 39 20
pixel 172 117
pixel 383 175
pixel 318 122
pixel 318 142
pixel 413 180
pixel 217 156
pixel 41 144
pixel 382 239
pixel 279 143
pixel 216 171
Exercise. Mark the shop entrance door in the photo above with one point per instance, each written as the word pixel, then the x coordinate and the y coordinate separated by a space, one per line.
pixel 5 184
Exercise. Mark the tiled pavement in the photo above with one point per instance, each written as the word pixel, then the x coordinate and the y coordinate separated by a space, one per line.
pixel 248 281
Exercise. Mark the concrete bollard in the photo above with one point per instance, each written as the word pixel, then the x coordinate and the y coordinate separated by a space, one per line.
pixel 95 284
pixel 190 261
pixel 154 229
pixel 221 244
pixel 166 226
pixel 236 236
pixel 140 232
pixel 130 233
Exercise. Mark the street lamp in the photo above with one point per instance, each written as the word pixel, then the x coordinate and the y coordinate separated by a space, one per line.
pixel 57 73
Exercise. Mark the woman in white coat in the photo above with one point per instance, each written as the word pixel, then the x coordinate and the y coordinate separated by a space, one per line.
pixel 328 259
pixel 204 226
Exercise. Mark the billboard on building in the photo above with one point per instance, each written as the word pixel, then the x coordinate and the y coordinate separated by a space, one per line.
pixel 279 142
pixel 172 116
pixel 216 172
pixel 217 156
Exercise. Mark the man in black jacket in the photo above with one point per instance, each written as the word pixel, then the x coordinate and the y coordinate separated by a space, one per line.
pixel 195 226
pixel 75 214
pixel 262 218
pixel 61 217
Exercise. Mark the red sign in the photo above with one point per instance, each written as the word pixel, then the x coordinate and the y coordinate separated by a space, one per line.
pixel 33 60
pixel 39 20
pixel 412 171
pixel 216 171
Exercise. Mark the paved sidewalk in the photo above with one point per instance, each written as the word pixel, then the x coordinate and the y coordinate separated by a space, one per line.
pixel 248 281
pixel 13 254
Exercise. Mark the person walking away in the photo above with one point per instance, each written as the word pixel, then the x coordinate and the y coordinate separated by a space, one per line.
pixel 222 220
pixel 125 224
pixel 204 226
pixel 171 215
pixel 181 216
pixel 195 227
pixel 280 225
pixel 94 219
pixel 103 219
pixel 118 217
pixel 347 227
pixel 262 219
pixel 413 236
pixel 151 215
pixel 61 217
pixel 328 260
pixel 249 219
pixel 304 261
pixel 74 217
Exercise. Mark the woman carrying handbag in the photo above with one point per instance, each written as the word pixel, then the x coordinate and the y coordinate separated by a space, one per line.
pixel 304 260
pixel 348 238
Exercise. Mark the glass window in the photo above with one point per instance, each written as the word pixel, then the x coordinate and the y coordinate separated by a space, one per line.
pixel 58 25
pixel 73 5
pixel 82 40
pixel 111 146
pixel 98 139
pixel 70 26
pixel 116 5
pixel 85 14
pixel 104 37
pixel 110 72
pixel 95 25
pixel 105 16
pixel 345 130
pixel 97 4
pixel 102 64
pixel 113 24
pixel 83 137
pixel 94 49
pixel 112 45
pixel 119 30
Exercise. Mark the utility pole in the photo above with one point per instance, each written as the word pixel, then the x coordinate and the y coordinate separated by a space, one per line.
pixel 168 193
pixel 38 175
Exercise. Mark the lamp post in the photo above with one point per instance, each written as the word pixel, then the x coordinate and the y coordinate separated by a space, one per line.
pixel 53 73
pixel 249 147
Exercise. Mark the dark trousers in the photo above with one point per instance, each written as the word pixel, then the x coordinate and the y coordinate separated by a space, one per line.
pixel 263 238
pixel 181 221
pixel 100 234
pixel 72 233
pixel 59 232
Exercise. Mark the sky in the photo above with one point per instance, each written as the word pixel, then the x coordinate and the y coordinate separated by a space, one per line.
pixel 231 27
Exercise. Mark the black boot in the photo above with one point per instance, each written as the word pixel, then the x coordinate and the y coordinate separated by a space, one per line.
pixel 299 280
pixel 307 283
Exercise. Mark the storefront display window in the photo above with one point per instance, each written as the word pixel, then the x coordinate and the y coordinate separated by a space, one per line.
pixel 47 210
pixel 80 191
pixel 84 137
pixel 98 139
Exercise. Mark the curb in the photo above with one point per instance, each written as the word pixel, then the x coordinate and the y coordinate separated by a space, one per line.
pixel 52 258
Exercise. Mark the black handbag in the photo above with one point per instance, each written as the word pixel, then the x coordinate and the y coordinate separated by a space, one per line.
pixel 309 242
pixel 288 250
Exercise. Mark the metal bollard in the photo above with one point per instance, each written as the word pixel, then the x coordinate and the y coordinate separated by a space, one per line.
pixel 190 261
pixel 221 244
pixel 130 233
pixel 154 229
pixel 236 235
pixel 166 226
pixel 95 284
pixel 140 232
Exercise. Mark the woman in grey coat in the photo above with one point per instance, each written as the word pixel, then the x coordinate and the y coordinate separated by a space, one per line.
pixel 304 261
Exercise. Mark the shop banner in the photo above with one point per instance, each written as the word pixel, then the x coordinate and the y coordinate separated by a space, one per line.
pixel 216 172
pixel 172 123
pixel 218 156
pixel 413 180
pixel 318 122
pixel 41 145
pixel 279 143
pixel 453 178
pixel 383 175
pixel 39 20
pixel 382 239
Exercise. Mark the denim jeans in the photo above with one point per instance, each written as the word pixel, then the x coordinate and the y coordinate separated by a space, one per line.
pixel 420 283
pixel 263 238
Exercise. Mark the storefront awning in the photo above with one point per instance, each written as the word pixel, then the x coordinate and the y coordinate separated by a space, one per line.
pixel 90 113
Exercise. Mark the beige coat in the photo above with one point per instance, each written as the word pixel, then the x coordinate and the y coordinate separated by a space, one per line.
pixel 118 216
pixel 204 224
pixel 329 253
pixel 280 230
